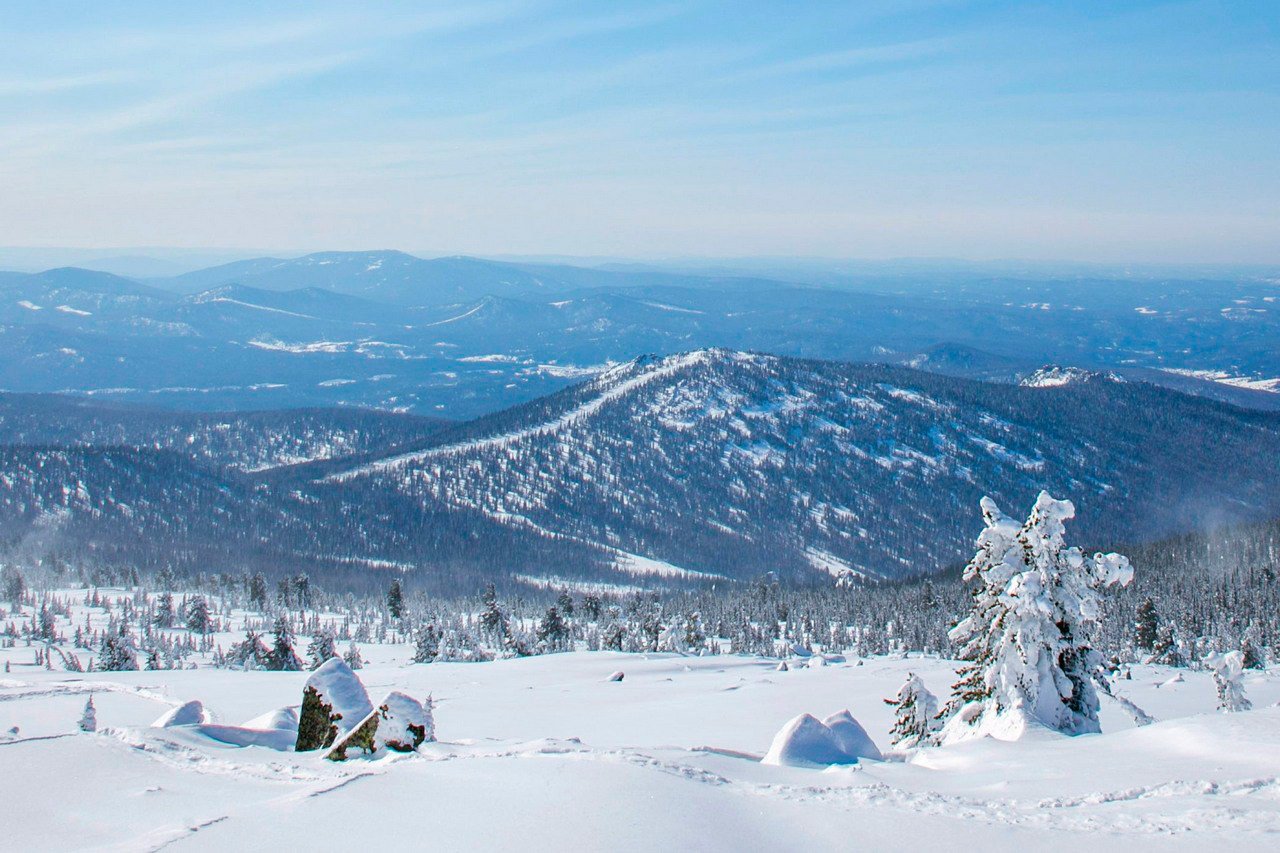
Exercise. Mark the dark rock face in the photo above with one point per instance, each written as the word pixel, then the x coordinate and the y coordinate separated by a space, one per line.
pixel 316 729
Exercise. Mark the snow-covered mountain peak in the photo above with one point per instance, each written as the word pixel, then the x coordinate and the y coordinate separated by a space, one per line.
pixel 1053 376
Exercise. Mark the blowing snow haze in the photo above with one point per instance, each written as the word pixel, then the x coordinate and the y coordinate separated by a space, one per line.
pixel 842 425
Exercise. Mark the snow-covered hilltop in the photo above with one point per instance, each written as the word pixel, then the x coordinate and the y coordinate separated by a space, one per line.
pixel 709 464
pixel 733 463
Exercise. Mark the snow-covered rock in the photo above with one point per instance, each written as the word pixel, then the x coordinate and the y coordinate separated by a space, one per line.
pixel 334 702
pixel 405 722
pixel 1055 376
pixel 400 723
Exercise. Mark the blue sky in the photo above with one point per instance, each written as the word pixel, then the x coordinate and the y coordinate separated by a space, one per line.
pixel 1077 130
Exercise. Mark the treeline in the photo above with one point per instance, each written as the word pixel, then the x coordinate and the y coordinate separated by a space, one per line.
pixel 1192 596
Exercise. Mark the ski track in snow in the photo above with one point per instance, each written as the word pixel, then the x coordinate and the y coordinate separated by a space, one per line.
pixel 78 688
pixel 1083 814
pixel 668 367
pixel 483 302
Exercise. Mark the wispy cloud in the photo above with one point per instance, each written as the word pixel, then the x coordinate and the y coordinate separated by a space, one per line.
pixel 32 86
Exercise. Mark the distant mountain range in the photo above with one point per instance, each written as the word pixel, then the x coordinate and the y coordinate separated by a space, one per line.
pixel 460 337
pixel 707 466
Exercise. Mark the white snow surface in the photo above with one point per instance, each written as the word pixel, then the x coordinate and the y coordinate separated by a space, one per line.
pixel 669 755
pixel 1252 383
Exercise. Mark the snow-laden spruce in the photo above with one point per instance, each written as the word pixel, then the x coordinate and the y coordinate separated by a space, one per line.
pixel 915 713
pixel 1028 642
pixel 1228 678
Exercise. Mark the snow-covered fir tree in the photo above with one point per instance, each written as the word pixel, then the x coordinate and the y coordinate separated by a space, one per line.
pixel 1029 641
pixel 1073 582
pixel 1251 656
pixel 553 631
pixel 323 645
pixel 974 636
pixel 89 719
pixel 249 653
pixel 282 656
pixel 1228 678
pixel 199 620
pixel 1168 648
pixel 117 652
pixel 395 600
pixel 1146 625
pixel 915 714
pixel 426 644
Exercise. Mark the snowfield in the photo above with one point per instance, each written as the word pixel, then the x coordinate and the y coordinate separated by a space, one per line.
pixel 547 753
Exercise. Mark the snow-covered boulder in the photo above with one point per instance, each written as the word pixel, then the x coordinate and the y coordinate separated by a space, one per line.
pixel 191 713
pixel 405 723
pixel 334 702
pixel 400 723
pixel 806 741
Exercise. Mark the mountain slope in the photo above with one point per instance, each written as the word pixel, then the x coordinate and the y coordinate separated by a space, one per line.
pixel 386 276
pixel 734 464
pixel 706 465
pixel 245 441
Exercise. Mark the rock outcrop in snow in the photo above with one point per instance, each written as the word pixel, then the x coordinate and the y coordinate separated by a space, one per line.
pixel 334 702
pixel 400 723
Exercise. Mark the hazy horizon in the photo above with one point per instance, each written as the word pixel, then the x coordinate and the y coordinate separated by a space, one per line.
pixel 1142 132
pixel 164 261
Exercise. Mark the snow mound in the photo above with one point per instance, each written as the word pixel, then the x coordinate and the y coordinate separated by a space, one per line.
pixel 851 737
pixel 281 718
pixel 806 741
pixel 281 740
pixel 191 713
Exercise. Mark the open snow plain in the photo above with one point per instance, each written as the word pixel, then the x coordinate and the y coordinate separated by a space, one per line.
pixel 546 753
